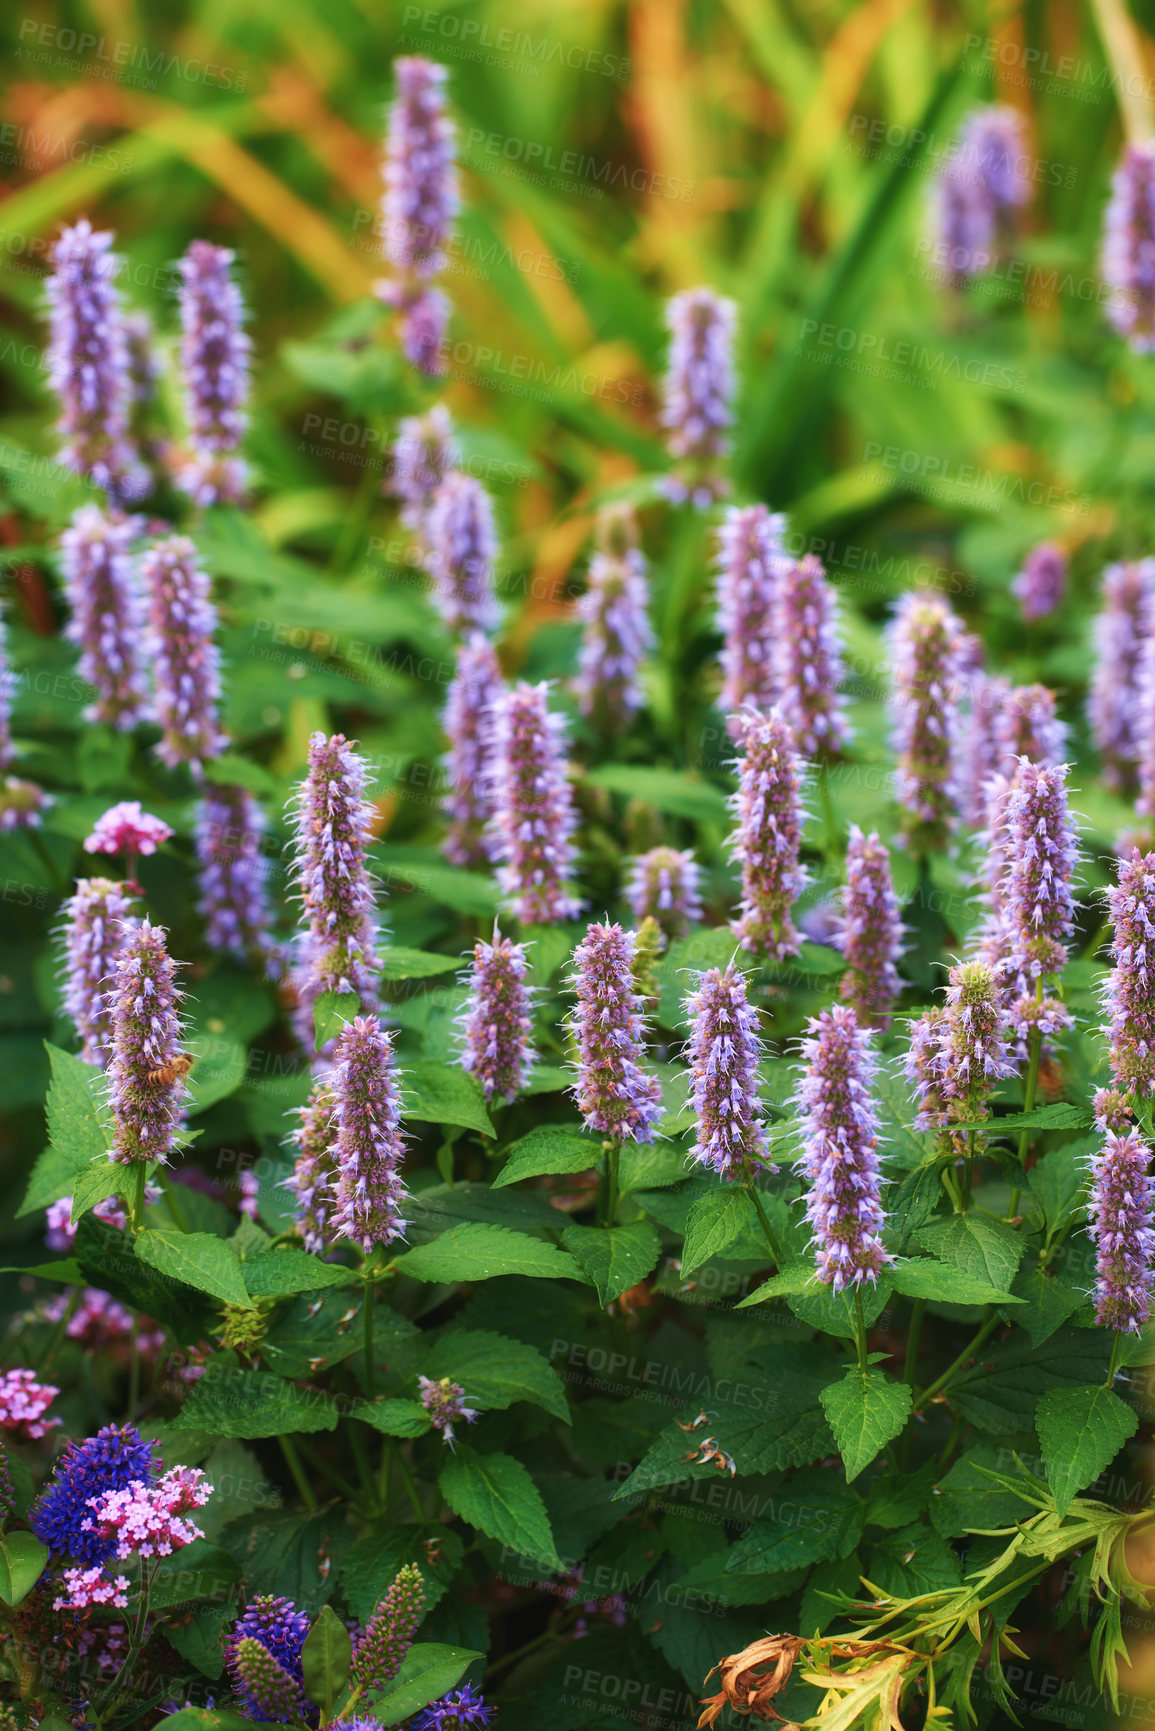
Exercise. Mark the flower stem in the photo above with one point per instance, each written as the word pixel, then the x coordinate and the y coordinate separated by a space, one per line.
pixel 1113 1367
pixel 1028 1099
pixel 408 1481
pixel 860 1329
pixel 768 1231
pixel 913 1334
pixel 613 1150
pixel 967 1352
pixel 139 1176
pixel 293 1462
pixel 370 1380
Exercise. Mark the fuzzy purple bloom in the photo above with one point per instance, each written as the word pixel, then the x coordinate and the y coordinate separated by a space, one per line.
pixel 663 886
pixel 1040 584
pixel 979 749
pixel 271 1694
pixel 1114 706
pixel 215 351
pixel 419 207
pixel 234 899
pixel 468 720
pixel 146 1094
pixel 750 566
pixel 1119 1226
pixel 616 632
pixel 1112 1111
pixel 96 924
pixel 424 454
pixel 1039 907
pixel 113 1459
pixel 1027 726
pixel 699 392
pixel 534 818
pixel 926 641
pixel 614 1094
pixel 1129 990
pixel 1128 254
pixel 973 1050
pixel 185 660
pixel 388 1635
pixel 281 1630
pixel 981 190
pixel 1145 768
pixel 7 694
pixel 22 803
pixel 462 550
pixel 809 658
pixel 88 362
pixel 369 1146
pixel 461 1710
pixel 723 1053
pixel 314 1175
pixel 869 932
pixel 922 1067
pixel 496 1023
pixel 839 1128
pixel 107 614
pixel 768 841
pixel 444 1401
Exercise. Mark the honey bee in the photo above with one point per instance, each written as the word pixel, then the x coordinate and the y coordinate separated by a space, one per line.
pixel 180 1066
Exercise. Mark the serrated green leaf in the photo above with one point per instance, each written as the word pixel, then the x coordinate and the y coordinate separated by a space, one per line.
pixel 1059 1180
pixel 22 1562
pixel 428 1671
pixel 943 1283
pixel 1046 1304
pixel 547 1151
pixel 496 1494
pixel 287 1271
pixel 99 1180
pixel 984 1248
pixel 79 1122
pixel 331 1010
pixel 1061 1115
pixel 836 1313
pixel 866 1410
pixel 477 1251
pixel 444 1094
pixel 199 1260
pixel 402 964
pixel 250 1404
pixel 815 1516
pixel 198 1571
pixel 1081 1430
pixel 394 1417
pixel 495 1370
pixel 326 1659
pixel 715 1222
pixel 614 1257
pixel 800 1277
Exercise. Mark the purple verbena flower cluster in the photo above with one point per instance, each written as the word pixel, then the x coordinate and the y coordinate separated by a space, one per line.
pixel 1040 584
pixel 419 207
pixel 96 922
pixel 338 947
pixel 663 885
pixel 699 392
pixel 185 660
pixel 982 189
pixel 750 566
pixel 468 720
pixel 1119 1226
pixel 234 899
pixel 444 1401
pixel 1115 706
pixel 314 1176
pixel 462 551
pixel 1129 990
pixel 1128 255
pixel 388 1635
pixel 369 1147
pixel 809 658
pixel 926 646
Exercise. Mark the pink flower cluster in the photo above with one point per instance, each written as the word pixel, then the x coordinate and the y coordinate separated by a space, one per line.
pixel 148 1520
pixel 23 1403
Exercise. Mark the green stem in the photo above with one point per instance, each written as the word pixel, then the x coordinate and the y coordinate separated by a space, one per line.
pixel 613 1150
pixel 1028 1099
pixel 768 1231
pixel 860 1330
pixel 293 1462
pixel 370 1379
pixel 140 1176
pixel 928 1395
pixel 360 1458
pixel 1113 1367
pixel 968 1173
pixel 408 1481
pixel 913 1333
pixel 338 1481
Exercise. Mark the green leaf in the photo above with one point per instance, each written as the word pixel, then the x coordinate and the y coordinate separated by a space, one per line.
pixel 1045 1305
pixel 866 1410
pixel 1059 1181
pixel 331 1010
pixel 1059 1116
pixel 812 1518
pixel 199 1571
pixel 476 1251
pixel 292 1553
pixel 614 1257
pixel 52 1178
pixel 219 1070
pixel 1081 1430
pixel 716 1221
pixel 402 964
pixel 22 1560
pixel 199 1260
pixel 377 1557
pixel 986 1249
pixel 79 1122
pixel 393 1417
pixel 673 791
pixel 836 1313
pixel 99 1180
pixel 326 1659
pixel 234 771
pixel 495 1370
pixel 428 1671
pixel 286 1271
pixel 546 1151
pixel 445 1094
pixel 800 1277
pixel 496 1494
pixel 197 1719
pixel 250 1404
pixel 943 1283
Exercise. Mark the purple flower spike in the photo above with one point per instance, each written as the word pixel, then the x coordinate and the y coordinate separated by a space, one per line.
pixel 338 948
pixel 315 1172
pixel 616 633
pixel 185 660
pixel 88 363
pixel 723 1053
pixel 869 931
pixel 462 550
pixel 809 658
pixel 419 207
pixel 461 1710
pixel 1129 991
pixel 496 1023
pixel 424 454
pixel 7 693
pixel 113 1459
pixel 107 614
pixel 468 720
pixel 750 566
pixel 215 351
pixel 1119 1226
pixel 369 1146
pixel 389 1632
pixel 663 886
pixel 1114 706
pixel 271 1694
pixel 1027 726
pixel 839 1128
pixel 614 1094
pixel 234 898
pixel 981 191
pixel 97 921
pixel 1039 906
pixel 444 1401
pixel 926 641
pixel 534 818
pixel 1040 584
pixel 1145 768
pixel 922 1067
pixel 699 393
pixel 973 1049
pixel 280 1629
pixel 768 840
pixel 979 749
pixel 146 1088
pixel 1128 256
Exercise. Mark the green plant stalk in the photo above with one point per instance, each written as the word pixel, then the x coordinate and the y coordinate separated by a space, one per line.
pixel 140 1177
pixel 860 1330
pixel 293 1462
pixel 410 1485
pixel 338 1481
pixel 613 1150
pixel 1123 48
pixel 360 1458
pixel 913 1334
pixel 937 1387
pixel 968 1175
pixel 367 1338
pixel 768 1231
pixel 1113 1367
pixel 1036 1048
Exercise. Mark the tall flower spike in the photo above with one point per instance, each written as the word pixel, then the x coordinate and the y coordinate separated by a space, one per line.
pixel 468 720
pixel 869 931
pixel 926 641
pixel 146 1093
pixel 616 633
pixel 111 1460
pixel 462 551
pixel 234 898
pixel 96 923
pixel 1119 1226
pixel 839 1128
pixel 419 207
pixel 389 1632
pixel 185 660
pixel 699 391
pixel 369 1146
pixel 534 817
pixel 979 750
pixel 809 658
pixel 981 191
pixel 614 1094
pixel 1027 726
pixel 314 1173
pixel 496 1023
pixel 1041 858
pixel 1113 706
pixel 1128 256
pixel 663 885
pixel 750 566
pixel 1129 990
pixel 424 454
pixel 88 362
pixel 1145 769
pixel 280 1629
pixel 7 695
pixel 768 840
pixel 215 351
pixel 973 1051
pixel 107 614
pixel 1040 584
pixel 269 1692
pixel 338 947
pixel 722 1053
pixel 922 1067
